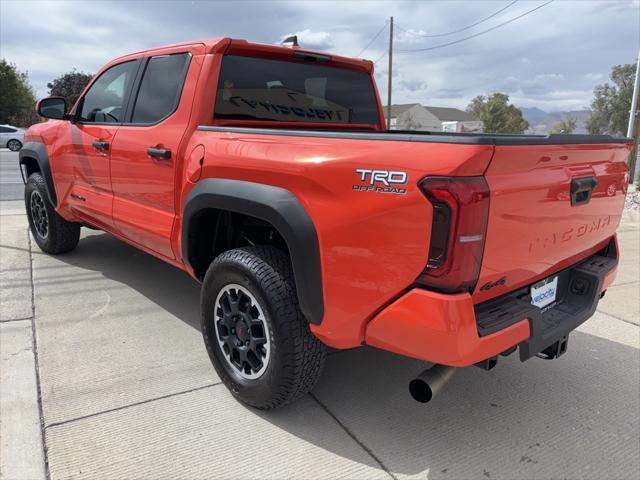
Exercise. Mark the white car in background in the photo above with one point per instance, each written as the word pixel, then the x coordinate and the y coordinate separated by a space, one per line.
pixel 11 137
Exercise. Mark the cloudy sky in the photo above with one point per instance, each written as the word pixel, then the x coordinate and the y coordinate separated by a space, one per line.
pixel 551 58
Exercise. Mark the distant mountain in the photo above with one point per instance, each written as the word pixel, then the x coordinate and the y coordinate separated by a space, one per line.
pixel 533 115
pixel 542 122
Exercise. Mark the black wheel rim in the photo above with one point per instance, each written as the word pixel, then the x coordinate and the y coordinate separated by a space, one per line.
pixel 39 215
pixel 13 145
pixel 242 332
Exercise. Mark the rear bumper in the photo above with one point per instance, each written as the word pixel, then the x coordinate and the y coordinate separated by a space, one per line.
pixel 450 330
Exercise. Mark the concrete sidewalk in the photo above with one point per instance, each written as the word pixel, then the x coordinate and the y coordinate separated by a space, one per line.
pixel 127 389
pixel 21 447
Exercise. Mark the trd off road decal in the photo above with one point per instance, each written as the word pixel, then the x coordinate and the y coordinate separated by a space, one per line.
pixel 381 181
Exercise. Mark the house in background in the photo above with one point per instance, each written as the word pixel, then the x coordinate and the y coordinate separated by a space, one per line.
pixel 413 116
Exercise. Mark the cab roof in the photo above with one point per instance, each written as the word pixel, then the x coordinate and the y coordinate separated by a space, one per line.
pixel 230 46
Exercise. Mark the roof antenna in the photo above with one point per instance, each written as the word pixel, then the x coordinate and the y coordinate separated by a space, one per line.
pixel 293 40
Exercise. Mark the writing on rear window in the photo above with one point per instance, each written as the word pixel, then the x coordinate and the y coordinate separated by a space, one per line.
pixel 291 91
pixel 248 106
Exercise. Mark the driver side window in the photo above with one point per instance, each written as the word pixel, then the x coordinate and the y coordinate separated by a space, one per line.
pixel 105 100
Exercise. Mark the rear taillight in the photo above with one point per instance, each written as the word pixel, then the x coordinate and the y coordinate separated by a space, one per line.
pixel 460 214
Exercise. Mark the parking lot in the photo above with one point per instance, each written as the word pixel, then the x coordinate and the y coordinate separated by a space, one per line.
pixel 102 355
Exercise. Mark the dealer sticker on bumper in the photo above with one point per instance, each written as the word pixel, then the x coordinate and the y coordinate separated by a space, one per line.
pixel 543 293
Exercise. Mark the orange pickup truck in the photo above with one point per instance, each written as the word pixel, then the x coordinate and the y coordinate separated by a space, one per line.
pixel 266 172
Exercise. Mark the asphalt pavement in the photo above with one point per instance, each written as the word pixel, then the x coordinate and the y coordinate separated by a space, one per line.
pixel 104 375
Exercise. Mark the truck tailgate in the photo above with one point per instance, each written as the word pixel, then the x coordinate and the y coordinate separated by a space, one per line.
pixel 541 218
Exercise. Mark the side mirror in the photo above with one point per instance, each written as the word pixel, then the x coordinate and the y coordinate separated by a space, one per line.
pixel 52 107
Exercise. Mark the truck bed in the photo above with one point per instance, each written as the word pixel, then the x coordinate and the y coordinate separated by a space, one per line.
pixel 432 137
pixel 534 228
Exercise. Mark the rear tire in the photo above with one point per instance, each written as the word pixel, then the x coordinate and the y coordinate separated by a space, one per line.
pixel 52 233
pixel 249 300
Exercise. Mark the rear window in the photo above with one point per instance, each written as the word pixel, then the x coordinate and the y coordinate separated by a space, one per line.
pixel 289 91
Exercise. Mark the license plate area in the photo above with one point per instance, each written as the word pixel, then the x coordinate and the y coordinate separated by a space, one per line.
pixel 545 293
pixel 576 299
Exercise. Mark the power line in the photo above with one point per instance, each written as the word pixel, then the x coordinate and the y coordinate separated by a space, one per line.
pixel 390 74
pixel 477 34
pixel 374 38
pixel 381 56
pixel 460 29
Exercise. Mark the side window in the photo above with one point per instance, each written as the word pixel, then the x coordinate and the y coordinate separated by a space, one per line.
pixel 105 100
pixel 160 88
pixel 7 130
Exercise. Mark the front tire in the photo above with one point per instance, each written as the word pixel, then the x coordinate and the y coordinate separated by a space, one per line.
pixel 14 145
pixel 257 338
pixel 52 233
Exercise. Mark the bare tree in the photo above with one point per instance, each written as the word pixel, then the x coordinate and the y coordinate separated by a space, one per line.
pixel 568 125
pixel 410 122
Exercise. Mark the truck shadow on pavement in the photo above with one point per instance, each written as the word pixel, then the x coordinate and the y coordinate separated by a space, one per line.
pixel 167 286
pixel 577 416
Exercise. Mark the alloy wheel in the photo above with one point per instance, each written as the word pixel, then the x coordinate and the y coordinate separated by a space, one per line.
pixel 39 214
pixel 242 332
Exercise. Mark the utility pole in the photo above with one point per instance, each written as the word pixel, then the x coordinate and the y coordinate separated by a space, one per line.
pixel 390 73
pixel 634 125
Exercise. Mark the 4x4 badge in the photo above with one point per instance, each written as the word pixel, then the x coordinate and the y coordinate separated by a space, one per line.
pixel 497 283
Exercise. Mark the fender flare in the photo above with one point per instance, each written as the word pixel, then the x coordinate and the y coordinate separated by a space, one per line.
pixel 281 209
pixel 38 151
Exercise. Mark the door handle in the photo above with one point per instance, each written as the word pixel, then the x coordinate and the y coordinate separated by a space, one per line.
pixel 162 153
pixel 100 145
